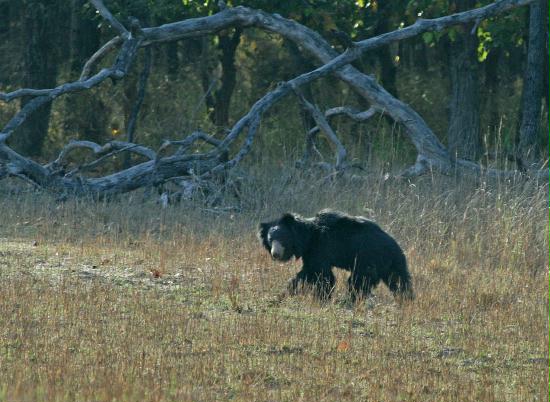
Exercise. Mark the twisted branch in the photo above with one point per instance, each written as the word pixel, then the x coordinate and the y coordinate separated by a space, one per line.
pixel 431 153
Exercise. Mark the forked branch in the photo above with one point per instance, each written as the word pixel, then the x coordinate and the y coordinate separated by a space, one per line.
pixel 324 125
pixel 432 155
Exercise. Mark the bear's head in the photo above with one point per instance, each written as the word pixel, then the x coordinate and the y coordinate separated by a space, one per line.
pixel 285 237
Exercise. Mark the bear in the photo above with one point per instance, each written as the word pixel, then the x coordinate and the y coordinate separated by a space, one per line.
pixel 335 239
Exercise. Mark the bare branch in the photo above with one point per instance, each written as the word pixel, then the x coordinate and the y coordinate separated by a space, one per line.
pixel 431 153
pixel 118 70
pixel 20 164
pixel 353 114
pixel 71 146
pixel 420 134
pixel 99 161
pixel 106 48
pixel 187 142
pixel 325 126
pixel 134 148
pixel 50 94
pixel 105 13
pixel 420 167
pixel 246 17
pixel 243 151
pixel 310 148
pixel 140 95
pixel 99 150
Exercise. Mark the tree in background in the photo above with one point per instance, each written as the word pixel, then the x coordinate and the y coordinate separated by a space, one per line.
pixel 40 67
pixel 533 89
pixel 85 115
pixel 218 94
pixel 343 62
pixel 463 135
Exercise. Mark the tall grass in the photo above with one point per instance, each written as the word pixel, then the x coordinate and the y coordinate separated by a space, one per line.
pixel 127 301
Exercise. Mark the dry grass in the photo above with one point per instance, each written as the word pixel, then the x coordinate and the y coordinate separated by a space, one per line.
pixel 122 301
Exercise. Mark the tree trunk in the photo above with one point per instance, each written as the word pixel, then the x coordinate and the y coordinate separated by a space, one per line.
pixel 208 76
pixel 228 46
pixel 172 60
pixel 491 88
pixel 209 165
pixel 10 42
pixel 300 65
pixel 463 135
pixel 420 55
pixel 218 102
pixel 533 83
pixel 40 71
pixel 387 68
pixel 85 115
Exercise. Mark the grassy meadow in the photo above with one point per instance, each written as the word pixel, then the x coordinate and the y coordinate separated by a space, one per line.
pixel 126 301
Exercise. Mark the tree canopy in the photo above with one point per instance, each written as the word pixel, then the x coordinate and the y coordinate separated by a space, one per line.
pixel 178 77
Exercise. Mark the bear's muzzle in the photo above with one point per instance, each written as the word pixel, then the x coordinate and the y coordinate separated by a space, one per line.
pixel 277 250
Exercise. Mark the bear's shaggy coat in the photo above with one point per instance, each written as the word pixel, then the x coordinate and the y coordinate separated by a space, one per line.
pixel 334 239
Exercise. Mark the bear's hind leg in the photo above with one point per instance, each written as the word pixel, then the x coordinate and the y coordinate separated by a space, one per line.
pixel 400 286
pixel 360 286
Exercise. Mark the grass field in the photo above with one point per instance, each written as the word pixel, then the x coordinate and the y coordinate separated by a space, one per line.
pixel 127 301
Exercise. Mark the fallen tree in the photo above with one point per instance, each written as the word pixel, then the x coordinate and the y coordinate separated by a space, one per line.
pixel 181 164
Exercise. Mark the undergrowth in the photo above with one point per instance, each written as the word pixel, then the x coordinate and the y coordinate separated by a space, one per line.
pixel 125 300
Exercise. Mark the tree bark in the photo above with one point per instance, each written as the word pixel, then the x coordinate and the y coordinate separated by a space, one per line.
pixel 463 135
pixel 533 83
pixel 388 71
pixel 172 60
pixel 300 63
pixel 218 101
pixel 228 46
pixel 85 114
pixel 209 164
pixel 491 88
pixel 40 71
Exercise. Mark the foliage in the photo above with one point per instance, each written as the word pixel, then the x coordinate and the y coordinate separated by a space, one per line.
pixel 174 101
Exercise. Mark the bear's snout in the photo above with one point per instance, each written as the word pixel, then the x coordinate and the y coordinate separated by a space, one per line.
pixel 277 250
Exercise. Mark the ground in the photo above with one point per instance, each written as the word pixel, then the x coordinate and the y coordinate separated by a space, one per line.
pixel 180 304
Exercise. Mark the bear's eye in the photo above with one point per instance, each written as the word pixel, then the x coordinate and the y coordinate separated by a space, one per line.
pixel 270 233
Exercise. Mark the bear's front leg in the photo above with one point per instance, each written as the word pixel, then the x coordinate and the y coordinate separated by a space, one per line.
pixel 321 282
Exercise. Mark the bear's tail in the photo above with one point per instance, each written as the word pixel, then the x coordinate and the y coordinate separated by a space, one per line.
pixel 405 290
pixel 400 283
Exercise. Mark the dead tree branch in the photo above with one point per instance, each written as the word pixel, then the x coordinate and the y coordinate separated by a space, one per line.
pixel 105 13
pixel 144 76
pixel 432 155
pixel 352 113
pixel 425 141
pixel 99 150
pixel 106 48
pixel 327 129
pixel 311 149
pixel 190 140
pixel 132 121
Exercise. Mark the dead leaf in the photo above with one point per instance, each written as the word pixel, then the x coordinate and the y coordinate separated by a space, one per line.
pixel 343 346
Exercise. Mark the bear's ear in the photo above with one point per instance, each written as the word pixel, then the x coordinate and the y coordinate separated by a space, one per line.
pixel 263 228
pixel 288 219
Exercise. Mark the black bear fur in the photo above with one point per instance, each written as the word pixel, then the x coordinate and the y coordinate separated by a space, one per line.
pixel 335 239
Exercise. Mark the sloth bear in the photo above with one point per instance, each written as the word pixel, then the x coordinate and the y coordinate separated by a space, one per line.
pixel 334 239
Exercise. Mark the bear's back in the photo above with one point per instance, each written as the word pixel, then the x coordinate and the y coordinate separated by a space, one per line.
pixel 328 219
